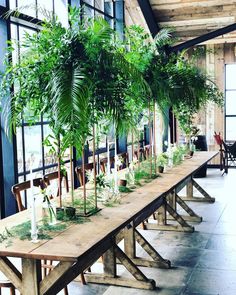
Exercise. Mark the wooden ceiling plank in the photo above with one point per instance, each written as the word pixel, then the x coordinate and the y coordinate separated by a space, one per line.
pixel 182 5
pixel 192 22
pixel 203 38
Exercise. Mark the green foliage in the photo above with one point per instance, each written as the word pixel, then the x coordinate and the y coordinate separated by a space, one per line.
pixel 162 159
pixel 22 231
pixel 124 189
pixel 82 75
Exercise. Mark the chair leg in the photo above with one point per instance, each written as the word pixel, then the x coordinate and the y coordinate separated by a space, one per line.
pixel 66 291
pixel 83 281
pixel 12 291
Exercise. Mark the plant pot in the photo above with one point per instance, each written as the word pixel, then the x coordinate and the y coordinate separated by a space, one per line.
pixel 70 212
pixel 60 212
pixel 161 169
pixel 191 153
pixel 122 182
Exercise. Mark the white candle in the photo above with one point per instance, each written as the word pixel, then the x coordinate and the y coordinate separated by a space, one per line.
pixel 115 172
pixel 34 235
pixel 108 158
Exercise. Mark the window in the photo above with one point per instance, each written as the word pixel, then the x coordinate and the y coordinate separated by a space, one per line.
pixel 230 102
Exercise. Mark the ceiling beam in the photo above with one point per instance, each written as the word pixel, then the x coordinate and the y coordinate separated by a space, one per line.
pixel 148 14
pixel 202 38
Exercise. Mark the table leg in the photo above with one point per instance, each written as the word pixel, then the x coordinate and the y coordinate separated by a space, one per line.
pixel 133 236
pixel 189 197
pixel 162 223
pixel 192 216
pixel 31 276
pixel 110 277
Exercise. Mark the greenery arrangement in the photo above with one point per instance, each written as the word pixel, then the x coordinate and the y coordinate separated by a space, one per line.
pixel 83 75
pixel 162 159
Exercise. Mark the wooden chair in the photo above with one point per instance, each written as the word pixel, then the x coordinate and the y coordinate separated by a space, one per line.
pixel 141 154
pixel 7 284
pixel 48 178
pixel 23 186
pixel 79 172
pixel 103 164
pixel 147 151
pixel 47 266
pixel 227 153
pixel 125 160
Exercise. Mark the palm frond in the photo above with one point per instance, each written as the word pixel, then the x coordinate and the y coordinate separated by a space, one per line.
pixel 163 37
pixel 71 92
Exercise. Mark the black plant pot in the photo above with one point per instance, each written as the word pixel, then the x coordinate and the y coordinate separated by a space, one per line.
pixel 60 212
pixel 70 212
pixel 191 153
pixel 123 182
pixel 160 169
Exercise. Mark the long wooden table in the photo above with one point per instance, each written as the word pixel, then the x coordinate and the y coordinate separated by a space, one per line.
pixel 80 245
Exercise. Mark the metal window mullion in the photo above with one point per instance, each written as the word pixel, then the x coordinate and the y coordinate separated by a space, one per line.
pixel 36 8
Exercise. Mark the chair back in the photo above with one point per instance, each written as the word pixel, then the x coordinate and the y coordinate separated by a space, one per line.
pixel 139 155
pixel 103 164
pixel 48 178
pixel 23 186
pixel 125 160
pixel 79 172
pixel 147 151
pixel 218 139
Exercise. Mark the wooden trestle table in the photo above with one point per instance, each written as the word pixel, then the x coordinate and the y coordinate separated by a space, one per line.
pixel 81 245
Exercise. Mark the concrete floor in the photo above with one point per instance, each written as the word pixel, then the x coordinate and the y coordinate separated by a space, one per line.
pixel 203 262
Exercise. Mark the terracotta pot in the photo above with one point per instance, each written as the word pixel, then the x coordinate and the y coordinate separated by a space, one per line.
pixel 122 182
pixel 161 169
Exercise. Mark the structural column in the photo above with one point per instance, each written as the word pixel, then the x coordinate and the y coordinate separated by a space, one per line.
pixel 8 146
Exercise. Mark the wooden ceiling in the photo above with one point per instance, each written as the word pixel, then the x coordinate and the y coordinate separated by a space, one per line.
pixel 192 18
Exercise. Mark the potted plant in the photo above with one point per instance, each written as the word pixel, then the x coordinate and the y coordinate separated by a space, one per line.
pixel 162 160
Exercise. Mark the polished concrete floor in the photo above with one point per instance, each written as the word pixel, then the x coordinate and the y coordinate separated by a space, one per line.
pixel 203 262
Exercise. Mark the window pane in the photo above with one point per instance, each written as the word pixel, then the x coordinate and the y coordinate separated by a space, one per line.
pixel 27 7
pixel 19 149
pixel 230 103
pixel 33 146
pixel 110 21
pixel 230 128
pixel 49 156
pixel 12 4
pixel 99 4
pixel 44 7
pixel 230 76
pixel 61 11
pixel 108 7
pixel 88 12
pixel 22 32
pixel 15 54
pixel 90 2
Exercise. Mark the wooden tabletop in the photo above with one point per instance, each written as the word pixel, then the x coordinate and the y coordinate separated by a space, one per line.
pixel 79 239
